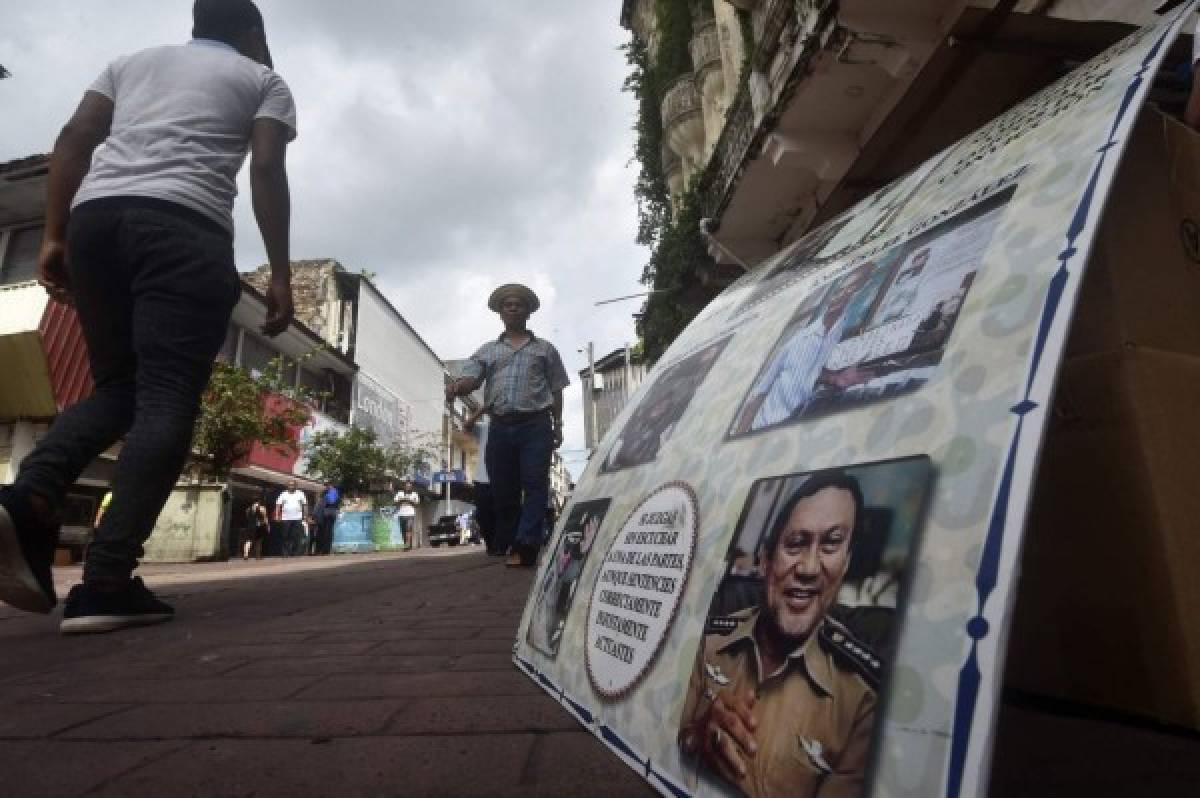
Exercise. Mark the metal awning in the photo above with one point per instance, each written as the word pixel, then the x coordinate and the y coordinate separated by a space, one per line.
pixel 261 474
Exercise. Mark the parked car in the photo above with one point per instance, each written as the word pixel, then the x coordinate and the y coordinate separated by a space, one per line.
pixel 445 530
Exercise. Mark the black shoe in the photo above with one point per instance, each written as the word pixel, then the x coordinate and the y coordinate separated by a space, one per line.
pixel 90 610
pixel 26 552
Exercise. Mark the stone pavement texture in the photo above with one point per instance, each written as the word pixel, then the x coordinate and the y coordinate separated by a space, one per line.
pixel 343 676
pixel 384 675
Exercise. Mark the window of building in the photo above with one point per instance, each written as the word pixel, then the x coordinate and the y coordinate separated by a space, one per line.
pixel 257 354
pixel 314 383
pixel 288 371
pixel 20 255
pixel 338 402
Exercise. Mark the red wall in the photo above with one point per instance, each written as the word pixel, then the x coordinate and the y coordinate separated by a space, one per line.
pixel 66 354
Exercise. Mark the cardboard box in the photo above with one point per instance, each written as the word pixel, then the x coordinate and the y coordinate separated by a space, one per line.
pixel 1142 285
pixel 1108 603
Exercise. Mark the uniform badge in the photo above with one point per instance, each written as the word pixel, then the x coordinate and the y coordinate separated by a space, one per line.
pixel 714 673
pixel 816 754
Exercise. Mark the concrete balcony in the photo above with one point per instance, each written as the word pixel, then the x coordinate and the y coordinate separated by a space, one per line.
pixel 710 78
pixel 43 352
pixel 683 122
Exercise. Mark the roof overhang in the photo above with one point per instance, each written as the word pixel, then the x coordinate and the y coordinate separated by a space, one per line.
pixel 877 93
pixel 27 390
pixel 23 190
pixel 296 341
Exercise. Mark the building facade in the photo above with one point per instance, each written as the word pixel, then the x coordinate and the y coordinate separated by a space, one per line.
pixel 785 113
pixel 398 389
pixel 617 376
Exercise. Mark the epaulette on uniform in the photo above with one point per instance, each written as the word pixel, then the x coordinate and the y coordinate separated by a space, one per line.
pixel 851 653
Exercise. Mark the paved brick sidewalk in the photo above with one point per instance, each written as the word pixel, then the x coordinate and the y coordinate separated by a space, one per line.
pixel 346 677
pixel 387 675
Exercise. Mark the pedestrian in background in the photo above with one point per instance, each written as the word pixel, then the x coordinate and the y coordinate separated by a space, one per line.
pixel 325 515
pixel 407 500
pixel 258 525
pixel 523 378
pixel 139 236
pixel 290 511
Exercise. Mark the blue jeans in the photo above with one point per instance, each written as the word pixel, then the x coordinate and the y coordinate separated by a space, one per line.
pixel 518 465
pixel 154 286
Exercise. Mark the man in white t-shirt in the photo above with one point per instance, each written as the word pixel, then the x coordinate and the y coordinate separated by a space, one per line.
pixel 407 501
pixel 139 236
pixel 290 509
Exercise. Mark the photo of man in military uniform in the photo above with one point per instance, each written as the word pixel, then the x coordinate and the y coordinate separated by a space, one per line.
pixel 784 696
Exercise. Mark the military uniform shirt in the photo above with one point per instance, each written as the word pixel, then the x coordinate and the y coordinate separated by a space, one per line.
pixel 815 715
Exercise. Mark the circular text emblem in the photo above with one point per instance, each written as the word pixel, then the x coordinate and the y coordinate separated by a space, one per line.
pixel 639 587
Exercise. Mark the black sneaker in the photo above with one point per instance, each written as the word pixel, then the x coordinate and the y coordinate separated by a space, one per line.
pixel 26 552
pixel 90 610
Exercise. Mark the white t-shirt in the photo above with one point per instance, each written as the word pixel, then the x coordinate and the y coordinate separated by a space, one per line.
pixel 406 503
pixel 181 125
pixel 291 505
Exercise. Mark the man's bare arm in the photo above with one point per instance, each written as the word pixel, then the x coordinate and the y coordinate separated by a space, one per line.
pixel 87 128
pixel 463 385
pixel 273 210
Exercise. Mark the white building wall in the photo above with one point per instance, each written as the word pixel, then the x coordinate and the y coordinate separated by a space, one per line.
pixel 389 352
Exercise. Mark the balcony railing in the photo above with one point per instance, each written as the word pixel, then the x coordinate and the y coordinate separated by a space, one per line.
pixel 770 18
pixel 731 149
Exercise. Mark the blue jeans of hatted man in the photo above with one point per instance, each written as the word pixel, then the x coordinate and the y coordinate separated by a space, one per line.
pixel 154 285
pixel 518 465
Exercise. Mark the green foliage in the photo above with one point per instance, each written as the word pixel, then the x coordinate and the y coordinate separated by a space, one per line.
pixel 356 460
pixel 650 188
pixel 672 273
pixel 233 417
pixel 677 246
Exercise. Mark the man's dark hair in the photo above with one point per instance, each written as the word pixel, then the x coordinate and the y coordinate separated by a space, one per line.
pixel 819 481
pixel 225 20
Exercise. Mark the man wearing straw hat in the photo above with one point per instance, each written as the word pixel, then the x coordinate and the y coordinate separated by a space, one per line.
pixel 524 379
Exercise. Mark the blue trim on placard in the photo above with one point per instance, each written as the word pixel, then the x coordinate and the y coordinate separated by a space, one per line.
pixel 579 709
pixel 644 767
pixel 970 676
pixel 665 783
pixel 618 744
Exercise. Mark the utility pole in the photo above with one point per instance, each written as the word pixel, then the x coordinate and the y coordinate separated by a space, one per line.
pixel 449 464
pixel 628 374
pixel 591 349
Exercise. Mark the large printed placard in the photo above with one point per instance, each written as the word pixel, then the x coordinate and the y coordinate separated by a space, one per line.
pixel 804 526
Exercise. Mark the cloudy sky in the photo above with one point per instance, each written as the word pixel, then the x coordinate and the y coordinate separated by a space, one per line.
pixel 446 146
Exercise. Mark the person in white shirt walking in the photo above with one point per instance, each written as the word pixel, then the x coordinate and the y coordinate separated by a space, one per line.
pixel 291 508
pixel 139 237
pixel 407 500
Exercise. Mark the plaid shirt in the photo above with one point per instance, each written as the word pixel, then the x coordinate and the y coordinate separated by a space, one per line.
pixel 518 380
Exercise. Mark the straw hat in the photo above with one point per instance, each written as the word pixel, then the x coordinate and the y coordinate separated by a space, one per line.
pixel 524 293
